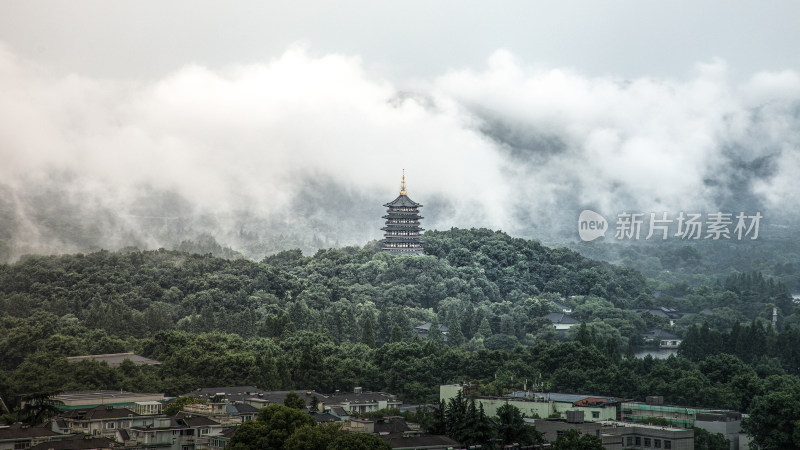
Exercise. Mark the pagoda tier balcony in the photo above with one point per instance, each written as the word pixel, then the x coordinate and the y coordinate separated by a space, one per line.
pixel 402 216
pixel 404 251
pixel 401 245
pixel 401 220
pixel 401 240
pixel 399 228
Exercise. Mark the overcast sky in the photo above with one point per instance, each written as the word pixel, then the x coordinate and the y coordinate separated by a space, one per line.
pixel 404 39
pixel 530 108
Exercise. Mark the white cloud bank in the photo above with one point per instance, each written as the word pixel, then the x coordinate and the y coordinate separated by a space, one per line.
pixel 493 147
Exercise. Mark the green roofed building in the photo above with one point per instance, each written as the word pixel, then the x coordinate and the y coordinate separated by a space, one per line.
pixel 90 399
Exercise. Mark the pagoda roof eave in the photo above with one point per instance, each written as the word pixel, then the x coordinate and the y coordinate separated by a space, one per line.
pixel 402 200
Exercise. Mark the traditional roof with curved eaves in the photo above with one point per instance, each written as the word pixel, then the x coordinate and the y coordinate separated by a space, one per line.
pixel 402 201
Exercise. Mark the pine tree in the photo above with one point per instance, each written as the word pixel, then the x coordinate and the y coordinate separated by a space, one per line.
pixel 584 337
pixel 397 334
pixel 455 338
pixel 484 330
pixel 435 334
pixel 368 331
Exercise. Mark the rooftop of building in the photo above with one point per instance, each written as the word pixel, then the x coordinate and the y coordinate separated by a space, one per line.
pixel 99 412
pixel 77 442
pixel 561 318
pixel 676 408
pixel 20 431
pixel 241 394
pixel 176 422
pixel 115 359
pixel 359 397
pixel 658 333
pixel 416 440
pixel 576 399
pixel 427 326
pixel 82 399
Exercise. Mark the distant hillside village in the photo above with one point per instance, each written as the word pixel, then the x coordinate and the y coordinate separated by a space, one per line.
pixel 207 418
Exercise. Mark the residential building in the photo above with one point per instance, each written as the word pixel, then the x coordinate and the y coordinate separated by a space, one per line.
pixel 729 423
pixel 148 408
pixel 564 308
pixel 224 413
pixel 561 321
pixel 102 420
pixel 401 435
pixel 19 436
pixel 79 442
pixel 220 441
pixel 258 398
pixel 416 441
pixel 669 314
pixel 664 339
pixel 179 432
pixel 616 435
pixel 89 399
pixel 681 416
pixel 359 402
pixel 423 330
pixel 542 404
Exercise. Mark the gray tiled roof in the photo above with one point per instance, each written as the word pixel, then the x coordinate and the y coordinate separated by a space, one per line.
pixel 659 334
pixel 99 412
pixel 403 201
pixel 77 442
pixel 560 318
pixel 18 431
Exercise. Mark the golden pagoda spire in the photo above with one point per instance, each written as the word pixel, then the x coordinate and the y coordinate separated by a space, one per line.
pixel 403 184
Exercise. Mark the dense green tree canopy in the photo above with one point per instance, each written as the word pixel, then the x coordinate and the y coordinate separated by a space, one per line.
pixel 345 317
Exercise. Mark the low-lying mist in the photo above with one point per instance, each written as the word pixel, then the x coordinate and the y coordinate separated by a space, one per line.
pixel 302 151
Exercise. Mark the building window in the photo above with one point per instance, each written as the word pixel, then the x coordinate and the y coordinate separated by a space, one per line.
pixel 110 425
pixel 559 433
pixel 667 444
pixel 647 442
pixel 657 443
pixel 638 441
pixel 595 414
pixel 21 445
pixel 630 441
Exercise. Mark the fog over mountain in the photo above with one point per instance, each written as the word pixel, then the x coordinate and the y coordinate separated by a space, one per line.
pixel 302 150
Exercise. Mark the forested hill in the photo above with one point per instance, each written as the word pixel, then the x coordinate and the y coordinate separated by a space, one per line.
pixel 346 317
pixel 140 293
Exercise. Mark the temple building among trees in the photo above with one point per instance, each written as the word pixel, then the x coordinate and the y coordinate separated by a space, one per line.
pixel 402 231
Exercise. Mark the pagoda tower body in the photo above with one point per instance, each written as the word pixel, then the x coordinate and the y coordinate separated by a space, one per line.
pixel 402 232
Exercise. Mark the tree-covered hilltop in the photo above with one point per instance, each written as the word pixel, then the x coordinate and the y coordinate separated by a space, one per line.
pixel 469 276
pixel 345 317
pixel 776 254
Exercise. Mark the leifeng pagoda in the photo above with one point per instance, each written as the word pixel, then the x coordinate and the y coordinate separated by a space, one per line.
pixel 402 229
